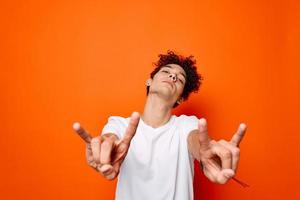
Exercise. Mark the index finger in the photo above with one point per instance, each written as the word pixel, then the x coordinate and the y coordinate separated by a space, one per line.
pixel 82 133
pixel 238 136
pixel 203 134
pixel 131 129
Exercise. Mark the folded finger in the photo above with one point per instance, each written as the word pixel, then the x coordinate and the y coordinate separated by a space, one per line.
pixel 218 175
pixel 211 170
pixel 95 145
pixel 224 154
pixel 108 171
pixel 225 175
pixel 105 169
pixel 235 152
pixel 89 156
pixel 106 148
pixel 111 175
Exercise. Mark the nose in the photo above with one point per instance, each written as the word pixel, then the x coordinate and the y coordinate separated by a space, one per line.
pixel 173 77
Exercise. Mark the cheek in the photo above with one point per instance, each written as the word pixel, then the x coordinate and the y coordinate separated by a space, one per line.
pixel 180 88
pixel 157 76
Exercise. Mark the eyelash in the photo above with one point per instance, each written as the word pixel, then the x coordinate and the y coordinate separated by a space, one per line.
pixel 168 72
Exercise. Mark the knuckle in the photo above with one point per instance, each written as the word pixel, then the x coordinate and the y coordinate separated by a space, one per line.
pixel 213 179
pixel 110 176
pixel 95 140
pixel 110 138
pixel 222 180
pixel 101 173
pixel 222 141
pixel 107 136
pixel 89 159
pixel 106 144
pixel 227 154
pixel 213 141
pixel 88 146
pixel 236 152
pixel 92 164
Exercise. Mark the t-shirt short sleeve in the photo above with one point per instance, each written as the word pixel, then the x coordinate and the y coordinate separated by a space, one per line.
pixel 116 125
pixel 190 123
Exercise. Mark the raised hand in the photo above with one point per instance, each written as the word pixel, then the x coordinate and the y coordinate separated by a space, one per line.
pixel 219 159
pixel 106 153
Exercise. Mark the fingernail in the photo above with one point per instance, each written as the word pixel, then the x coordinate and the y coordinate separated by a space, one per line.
pixel 76 126
pixel 202 123
pixel 243 125
pixel 135 114
pixel 229 173
pixel 105 168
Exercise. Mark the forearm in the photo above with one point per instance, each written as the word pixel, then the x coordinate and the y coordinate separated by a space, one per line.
pixel 110 135
pixel 193 144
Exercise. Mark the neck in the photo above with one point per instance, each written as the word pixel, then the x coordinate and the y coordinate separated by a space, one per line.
pixel 157 111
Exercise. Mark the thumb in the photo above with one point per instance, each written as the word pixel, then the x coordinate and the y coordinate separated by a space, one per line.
pixel 132 126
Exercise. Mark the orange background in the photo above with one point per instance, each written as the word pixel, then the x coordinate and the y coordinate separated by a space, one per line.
pixel 66 61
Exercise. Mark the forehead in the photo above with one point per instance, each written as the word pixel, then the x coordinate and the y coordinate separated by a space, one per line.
pixel 175 67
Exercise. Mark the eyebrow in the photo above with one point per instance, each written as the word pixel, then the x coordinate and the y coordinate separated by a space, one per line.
pixel 169 66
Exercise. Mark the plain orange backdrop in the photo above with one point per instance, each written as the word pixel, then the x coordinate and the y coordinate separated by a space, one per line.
pixel 65 61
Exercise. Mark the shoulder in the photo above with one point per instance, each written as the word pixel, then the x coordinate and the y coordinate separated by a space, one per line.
pixel 116 125
pixel 187 123
pixel 187 118
pixel 118 120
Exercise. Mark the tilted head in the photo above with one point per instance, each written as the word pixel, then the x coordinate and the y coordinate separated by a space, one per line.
pixel 175 76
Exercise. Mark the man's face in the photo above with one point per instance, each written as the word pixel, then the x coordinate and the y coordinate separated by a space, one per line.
pixel 169 82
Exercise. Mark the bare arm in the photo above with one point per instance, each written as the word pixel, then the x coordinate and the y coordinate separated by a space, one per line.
pixel 193 144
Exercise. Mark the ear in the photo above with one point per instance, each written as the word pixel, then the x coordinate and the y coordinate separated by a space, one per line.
pixel 179 101
pixel 148 82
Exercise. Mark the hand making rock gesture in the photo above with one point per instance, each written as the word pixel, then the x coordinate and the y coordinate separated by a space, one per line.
pixel 219 159
pixel 106 153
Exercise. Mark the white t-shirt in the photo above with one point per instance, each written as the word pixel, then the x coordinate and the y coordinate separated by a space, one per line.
pixel 158 165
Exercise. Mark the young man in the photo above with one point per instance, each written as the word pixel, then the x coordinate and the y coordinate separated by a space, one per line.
pixel 153 154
